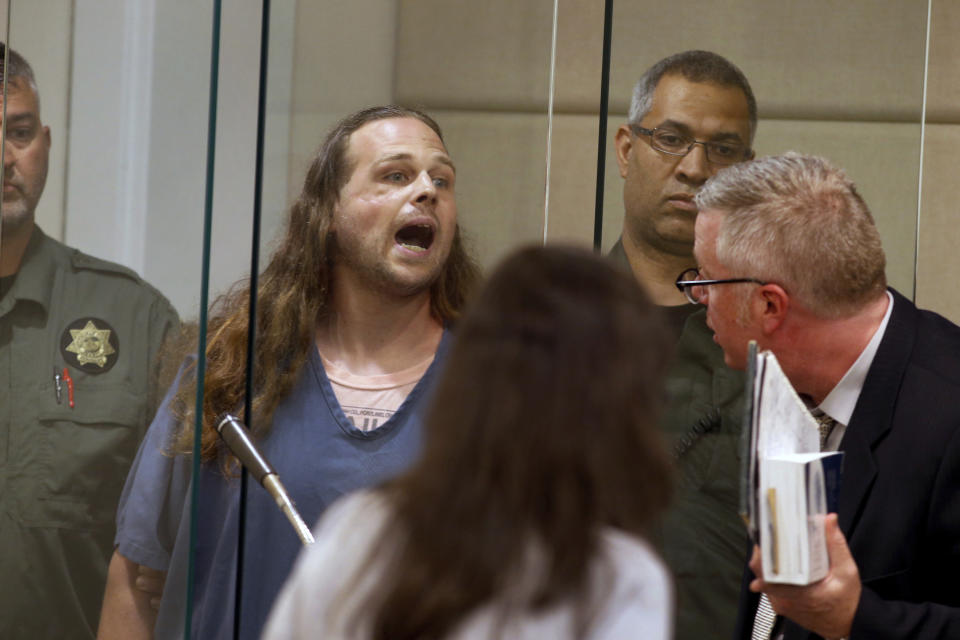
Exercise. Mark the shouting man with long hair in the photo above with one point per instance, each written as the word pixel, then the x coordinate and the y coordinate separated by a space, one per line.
pixel 352 312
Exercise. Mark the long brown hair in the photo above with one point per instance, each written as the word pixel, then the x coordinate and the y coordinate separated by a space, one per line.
pixel 294 294
pixel 542 430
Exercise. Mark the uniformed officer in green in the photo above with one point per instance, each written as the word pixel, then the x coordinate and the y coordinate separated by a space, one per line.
pixel 691 114
pixel 79 346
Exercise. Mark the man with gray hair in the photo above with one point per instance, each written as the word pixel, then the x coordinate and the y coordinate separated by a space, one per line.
pixel 79 345
pixel 790 257
pixel 692 114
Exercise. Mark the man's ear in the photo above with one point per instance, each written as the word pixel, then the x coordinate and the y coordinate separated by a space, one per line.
pixel 623 142
pixel 772 304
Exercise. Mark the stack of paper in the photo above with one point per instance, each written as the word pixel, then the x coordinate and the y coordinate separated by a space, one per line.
pixel 788 485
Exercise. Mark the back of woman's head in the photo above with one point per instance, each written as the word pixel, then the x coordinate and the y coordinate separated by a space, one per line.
pixel 550 395
pixel 542 431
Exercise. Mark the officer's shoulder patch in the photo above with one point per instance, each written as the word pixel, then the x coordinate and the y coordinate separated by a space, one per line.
pixel 83 262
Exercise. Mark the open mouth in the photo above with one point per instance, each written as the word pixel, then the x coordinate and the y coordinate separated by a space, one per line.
pixel 416 237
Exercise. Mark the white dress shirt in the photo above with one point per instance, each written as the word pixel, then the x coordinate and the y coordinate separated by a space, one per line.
pixel 842 399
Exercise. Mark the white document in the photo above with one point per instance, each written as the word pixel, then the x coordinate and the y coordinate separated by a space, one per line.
pixel 786 424
pixel 789 484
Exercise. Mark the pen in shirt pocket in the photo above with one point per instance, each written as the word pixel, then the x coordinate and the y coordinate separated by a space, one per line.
pixel 69 381
pixel 57 384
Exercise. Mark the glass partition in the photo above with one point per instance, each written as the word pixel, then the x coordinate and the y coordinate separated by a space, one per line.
pixel 125 88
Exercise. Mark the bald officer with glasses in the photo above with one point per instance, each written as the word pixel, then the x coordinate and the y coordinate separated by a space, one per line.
pixel 691 115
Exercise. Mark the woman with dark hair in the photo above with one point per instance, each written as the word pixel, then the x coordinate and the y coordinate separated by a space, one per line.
pixel 542 472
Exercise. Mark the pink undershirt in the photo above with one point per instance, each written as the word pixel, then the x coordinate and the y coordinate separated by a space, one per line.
pixel 369 401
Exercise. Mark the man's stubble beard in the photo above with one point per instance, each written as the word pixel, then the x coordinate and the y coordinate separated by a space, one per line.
pixel 379 277
pixel 15 216
pixel 390 284
pixel 669 235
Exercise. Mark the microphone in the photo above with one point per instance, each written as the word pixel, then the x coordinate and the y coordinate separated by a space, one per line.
pixel 235 434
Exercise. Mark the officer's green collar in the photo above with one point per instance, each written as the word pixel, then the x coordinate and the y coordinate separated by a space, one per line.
pixel 35 277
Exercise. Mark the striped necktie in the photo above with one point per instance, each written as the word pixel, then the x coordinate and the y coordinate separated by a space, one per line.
pixel 764 620
pixel 825 425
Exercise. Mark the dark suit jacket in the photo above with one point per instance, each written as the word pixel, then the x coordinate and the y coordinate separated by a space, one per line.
pixel 900 496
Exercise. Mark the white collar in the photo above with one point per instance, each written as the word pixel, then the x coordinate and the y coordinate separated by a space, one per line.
pixel 842 399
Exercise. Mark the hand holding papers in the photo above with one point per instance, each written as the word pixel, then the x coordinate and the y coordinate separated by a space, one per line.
pixel 787 484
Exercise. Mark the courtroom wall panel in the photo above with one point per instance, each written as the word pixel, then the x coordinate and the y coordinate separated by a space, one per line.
pixel 938 268
pixel 939 260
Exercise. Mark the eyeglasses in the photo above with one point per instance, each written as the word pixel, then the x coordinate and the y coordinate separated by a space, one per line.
pixel 692 286
pixel 677 144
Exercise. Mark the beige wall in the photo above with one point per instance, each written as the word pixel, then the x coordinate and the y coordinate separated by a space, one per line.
pixel 843 80
pixel 332 75
pixel 938 265
pixel 30 23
